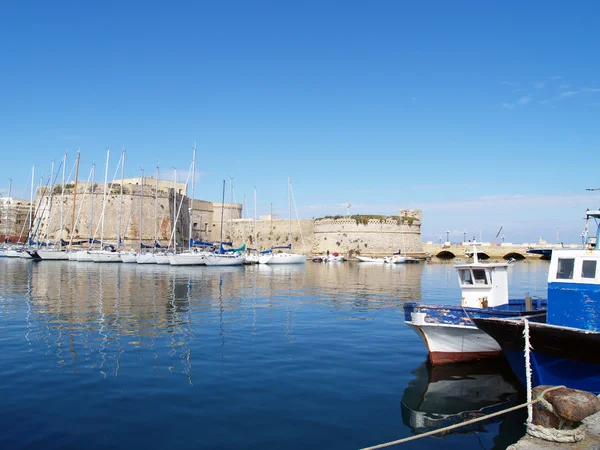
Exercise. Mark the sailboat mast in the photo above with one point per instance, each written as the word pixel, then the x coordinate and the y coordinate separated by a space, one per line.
pixel 104 200
pixel 244 222
pixel 49 196
pixel 222 211
pixel 8 200
pixel 192 199
pixel 155 210
pixel 254 202
pixel 74 198
pixel 92 201
pixel 174 209
pixel 62 201
pixel 31 200
pixel 141 204
pixel 121 197
pixel 290 213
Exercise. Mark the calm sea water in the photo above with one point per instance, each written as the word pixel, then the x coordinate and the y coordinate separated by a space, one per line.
pixel 124 356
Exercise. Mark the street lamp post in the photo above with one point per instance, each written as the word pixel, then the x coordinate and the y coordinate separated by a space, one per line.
pixel 503 239
pixel 447 235
pixel 440 238
pixel 465 236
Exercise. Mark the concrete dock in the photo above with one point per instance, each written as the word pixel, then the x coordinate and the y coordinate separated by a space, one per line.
pixel 591 441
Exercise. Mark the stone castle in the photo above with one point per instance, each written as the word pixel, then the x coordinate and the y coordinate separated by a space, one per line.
pixel 149 208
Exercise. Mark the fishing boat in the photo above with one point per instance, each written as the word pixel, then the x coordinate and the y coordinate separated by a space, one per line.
pixel 564 347
pixel 448 331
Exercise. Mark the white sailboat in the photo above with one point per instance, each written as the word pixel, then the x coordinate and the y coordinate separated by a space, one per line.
pixel 222 258
pixel 127 256
pixel 105 255
pixel 193 256
pixel 145 257
pixel 284 258
pixel 58 254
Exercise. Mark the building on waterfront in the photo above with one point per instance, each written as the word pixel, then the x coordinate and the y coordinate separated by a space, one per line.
pixel 144 212
pixel 349 235
pixel 14 219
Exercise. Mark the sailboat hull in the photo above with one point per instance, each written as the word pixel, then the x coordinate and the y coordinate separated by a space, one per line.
pixel 286 258
pixel 105 257
pixel 224 260
pixel 145 258
pixel 186 259
pixel 161 259
pixel 53 255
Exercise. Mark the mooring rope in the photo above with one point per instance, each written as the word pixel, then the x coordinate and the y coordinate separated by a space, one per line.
pixel 468 422
pixel 528 370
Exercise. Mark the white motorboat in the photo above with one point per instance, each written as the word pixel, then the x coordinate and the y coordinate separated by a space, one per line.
pixel 395 259
pixel 334 257
pixel 225 259
pixel 368 259
pixel 53 255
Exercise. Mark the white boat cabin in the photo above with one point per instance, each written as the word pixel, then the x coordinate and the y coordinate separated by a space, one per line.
pixel 580 266
pixel 483 285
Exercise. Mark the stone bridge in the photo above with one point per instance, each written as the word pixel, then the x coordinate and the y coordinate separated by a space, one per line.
pixel 486 250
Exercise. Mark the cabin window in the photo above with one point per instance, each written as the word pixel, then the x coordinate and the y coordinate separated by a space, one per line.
pixel 479 276
pixel 465 277
pixel 565 269
pixel 588 269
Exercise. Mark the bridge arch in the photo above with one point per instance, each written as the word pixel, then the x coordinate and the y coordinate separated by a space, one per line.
pixel 445 254
pixel 514 255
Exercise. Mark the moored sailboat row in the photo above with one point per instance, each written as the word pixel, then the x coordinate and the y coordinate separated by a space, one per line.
pixel 58 243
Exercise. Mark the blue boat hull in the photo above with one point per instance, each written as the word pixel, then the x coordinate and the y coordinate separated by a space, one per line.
pixel 559 355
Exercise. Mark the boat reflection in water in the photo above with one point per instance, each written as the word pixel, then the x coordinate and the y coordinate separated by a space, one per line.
pixel 440 396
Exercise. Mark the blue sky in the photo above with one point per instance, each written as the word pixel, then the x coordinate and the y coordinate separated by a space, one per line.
pixel 483 114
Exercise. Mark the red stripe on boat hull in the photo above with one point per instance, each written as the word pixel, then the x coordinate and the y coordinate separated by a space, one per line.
pixel 455 357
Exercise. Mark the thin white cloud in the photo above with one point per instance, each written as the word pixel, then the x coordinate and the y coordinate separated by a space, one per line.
pixel 564 86
pixel 556 77
pixel 520 102
pixel 539 84
pixel 568 94
pixel 509 83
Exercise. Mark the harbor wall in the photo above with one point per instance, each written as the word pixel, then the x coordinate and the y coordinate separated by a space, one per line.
pixel 349 236
pixel 370 237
